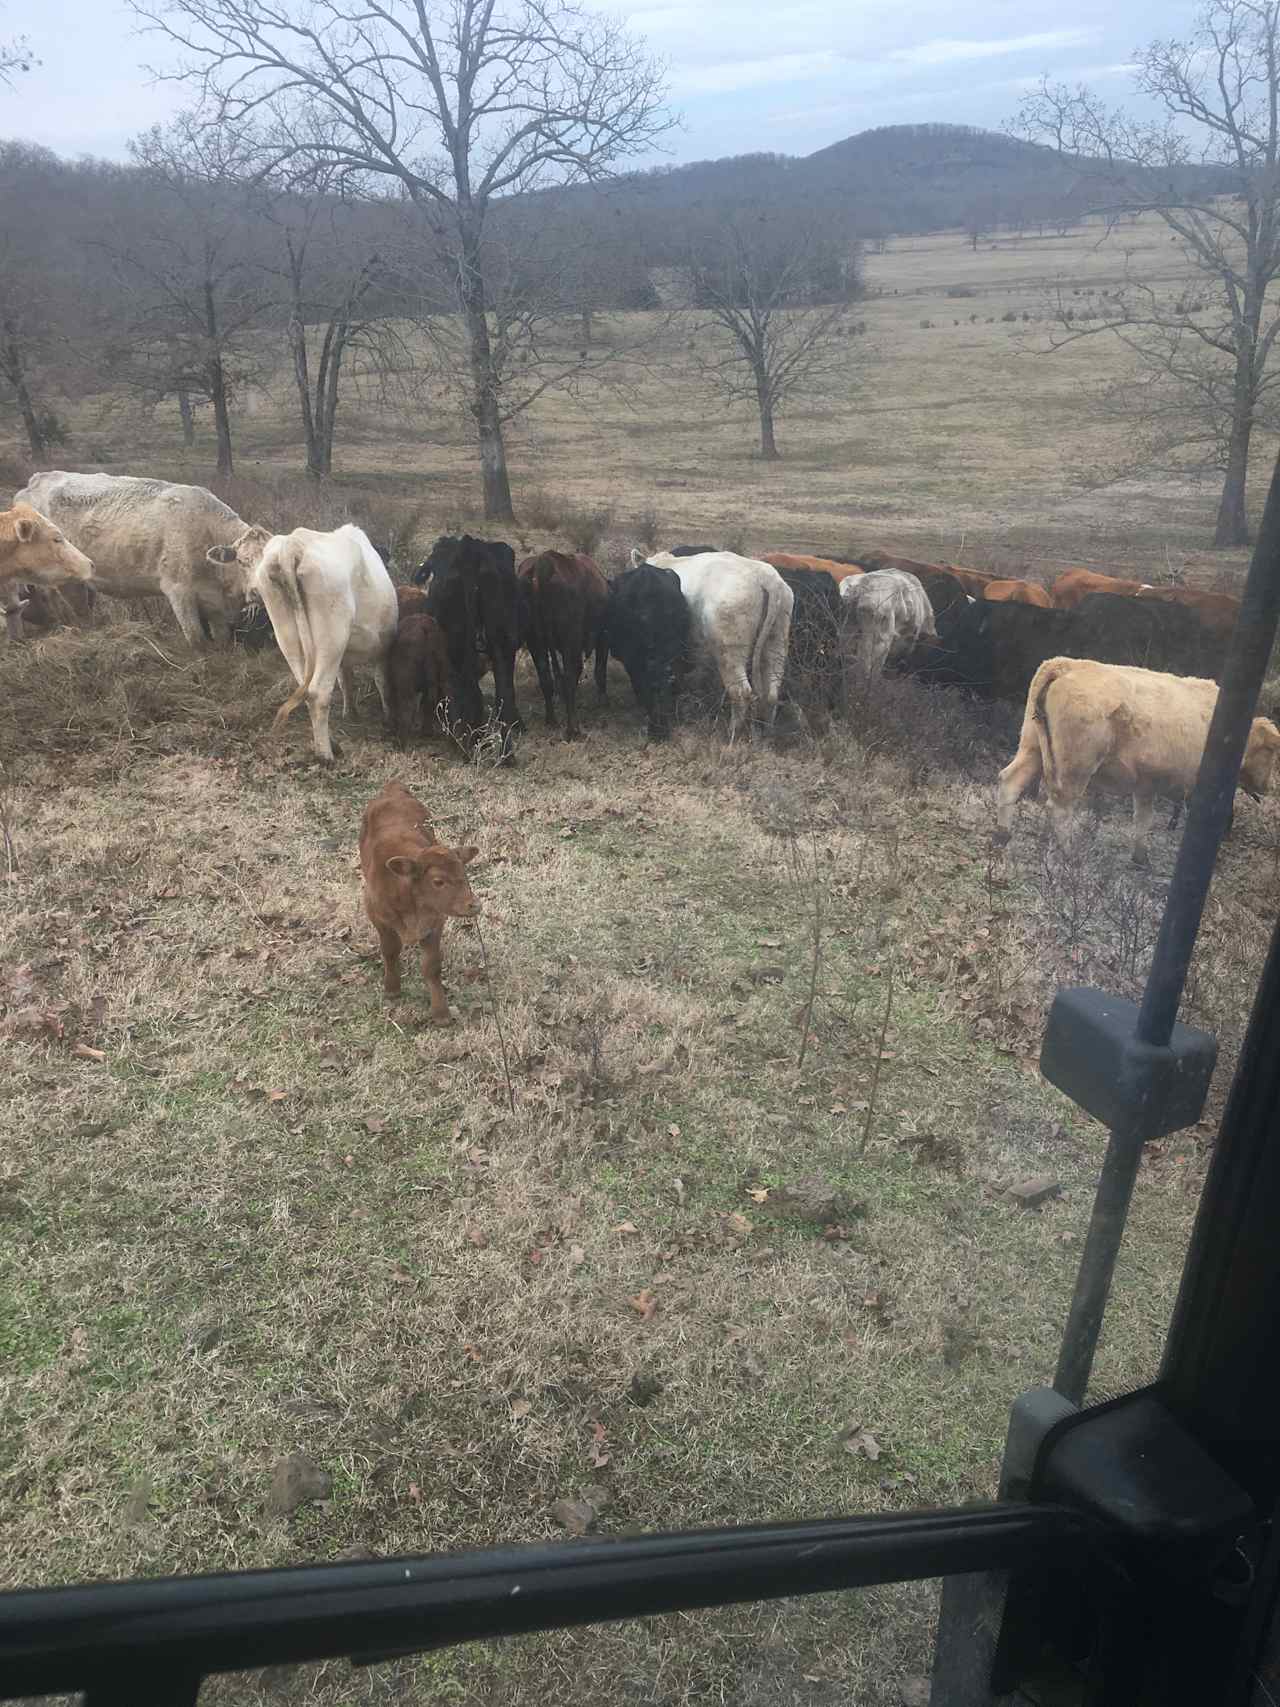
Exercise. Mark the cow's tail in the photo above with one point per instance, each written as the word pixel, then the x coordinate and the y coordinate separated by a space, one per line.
pixel 1035 724
pixel 763 629
pixel 284 572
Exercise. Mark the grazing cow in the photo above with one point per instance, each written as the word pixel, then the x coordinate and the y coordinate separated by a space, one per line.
pixel 412 884
pixel 740 613
pixel 647 629
pixel 1018 593
pixel 942 589
pixel 331 604
pixel 974 581
pixel 1141 730
pixel 563 600
pixel 991 648
pixel 891 613
pixel 154 536
pixel 418 670
pixel 28 605
pixel 34 551
pixel 831 566
pixel 815 662
pixel 1075 584
pixel 473 595
pixel 1147 633
pixel 1217 612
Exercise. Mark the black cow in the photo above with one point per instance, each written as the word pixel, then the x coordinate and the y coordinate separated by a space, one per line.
pixel 472 594
pixel 1151 633
pixel 694 550
pixel 993 649
pixel 815 662
pixel 646 626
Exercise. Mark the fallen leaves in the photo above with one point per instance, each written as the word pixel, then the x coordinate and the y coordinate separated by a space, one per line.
pixel 759 1194
pixel 520 1409
pixel 627 1228
pixel 645 1304
pixel 84 1053
pixel 859 1442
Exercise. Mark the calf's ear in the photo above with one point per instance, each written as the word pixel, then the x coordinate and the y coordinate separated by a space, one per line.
pixel 24 530
pixel 466 855
pixel 220 554
pixel 403 866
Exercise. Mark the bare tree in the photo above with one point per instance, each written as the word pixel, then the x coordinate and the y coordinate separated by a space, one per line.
pixel 39 205
pixel 1210 169
pixel 777 297
pixel 189 272
pixel 459 102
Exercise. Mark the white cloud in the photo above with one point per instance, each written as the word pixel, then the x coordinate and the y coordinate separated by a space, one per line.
pixel 946 51
pixel 727 75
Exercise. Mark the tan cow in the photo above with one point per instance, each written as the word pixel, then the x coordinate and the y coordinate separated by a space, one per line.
pixel 1139 730
pixel 155 536
pixel 1018 593
pixel 796 560
pixel 34 549
pixel 1073 585
pixel 412 884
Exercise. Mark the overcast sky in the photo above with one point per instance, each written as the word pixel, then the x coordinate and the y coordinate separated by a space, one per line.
pixel 744 75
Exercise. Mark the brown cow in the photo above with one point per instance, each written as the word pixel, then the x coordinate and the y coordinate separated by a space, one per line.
pixel 974 581
pixel 418 667
pixel 412 884
pixel 563 601
pixel 33 549
pixel 1018 593
pixel 1217 611
pixel 412 601
pixel 794 560
pixel 1073 585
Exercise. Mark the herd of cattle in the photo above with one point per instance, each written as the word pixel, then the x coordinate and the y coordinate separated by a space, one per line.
pixel 782 626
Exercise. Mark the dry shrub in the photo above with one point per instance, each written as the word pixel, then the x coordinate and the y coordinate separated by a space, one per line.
pixel 283 502
pixel 928 730
pixel 15 470
pixel 647 526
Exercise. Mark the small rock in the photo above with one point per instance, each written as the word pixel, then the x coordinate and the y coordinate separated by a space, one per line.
pixel 645 1387
pixel 353 1555
pixel 767 974
pixel 577 1516
pixel 295 1480
pixel 1031 1193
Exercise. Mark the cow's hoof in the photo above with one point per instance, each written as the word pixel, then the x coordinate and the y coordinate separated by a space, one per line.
pixel 443 1019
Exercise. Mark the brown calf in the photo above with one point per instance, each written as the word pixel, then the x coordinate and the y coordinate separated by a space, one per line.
pixel 563 600
pixel 411 600
pixel 418 669
pixel 1018 593
pixel 1073 585
pixel 412 884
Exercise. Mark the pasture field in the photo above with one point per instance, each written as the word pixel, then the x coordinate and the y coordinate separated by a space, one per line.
pixel 251 1208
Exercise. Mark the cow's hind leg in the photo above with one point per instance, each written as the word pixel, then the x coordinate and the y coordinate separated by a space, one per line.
pixel 602 670
pixel 546 681
pixel 319 698
pixel 737 687
pixel 382 676
pixel 1014 780
pixel 568 667
pixel 1144 805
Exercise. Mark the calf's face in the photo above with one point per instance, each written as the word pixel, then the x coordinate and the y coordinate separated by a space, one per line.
pixel 33 549
pixel 431 885
pixel 236 563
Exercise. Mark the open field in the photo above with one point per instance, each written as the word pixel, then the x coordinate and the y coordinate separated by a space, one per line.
pixel 691 1280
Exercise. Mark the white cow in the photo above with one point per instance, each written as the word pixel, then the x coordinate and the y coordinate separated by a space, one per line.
pixel 331 603
pixel 153 536
pixel 892 612
pixel 740 611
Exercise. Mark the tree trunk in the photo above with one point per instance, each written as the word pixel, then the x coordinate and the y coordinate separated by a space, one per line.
pixel 221 415
pixel 302 379
pixel 1233 521
pixel 484 397
pixel 188 419
pixel 217 383
pixel 335 343
pixel 15 372
pixel 768 444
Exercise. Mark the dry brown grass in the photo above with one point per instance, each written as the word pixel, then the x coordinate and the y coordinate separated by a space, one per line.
pixel 282 1214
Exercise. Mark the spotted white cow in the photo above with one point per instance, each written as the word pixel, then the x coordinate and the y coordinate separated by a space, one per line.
pixel 891 612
